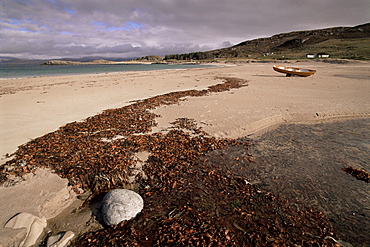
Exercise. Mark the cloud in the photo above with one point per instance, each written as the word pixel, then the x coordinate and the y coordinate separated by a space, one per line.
pixel 129 28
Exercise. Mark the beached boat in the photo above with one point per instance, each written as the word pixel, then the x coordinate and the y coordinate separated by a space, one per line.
pixel 289 71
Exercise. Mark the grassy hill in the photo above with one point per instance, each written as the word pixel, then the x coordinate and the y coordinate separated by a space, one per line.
pixel 358 49
pixel 337 42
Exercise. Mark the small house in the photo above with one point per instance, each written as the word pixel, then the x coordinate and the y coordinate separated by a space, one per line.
pixel 322 55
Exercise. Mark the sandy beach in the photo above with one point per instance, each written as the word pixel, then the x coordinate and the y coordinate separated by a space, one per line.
pixel 32 107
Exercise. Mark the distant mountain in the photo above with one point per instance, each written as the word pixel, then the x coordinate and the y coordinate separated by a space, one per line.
pixel 18 61
pixel 340 42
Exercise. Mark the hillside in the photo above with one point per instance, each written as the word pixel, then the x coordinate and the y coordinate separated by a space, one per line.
pixel 337 42
pixel 19 61
pixel 154 59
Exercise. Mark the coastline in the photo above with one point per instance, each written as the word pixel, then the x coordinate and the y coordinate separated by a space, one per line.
pixel 37 106
pixel 20 71
pixel 31 107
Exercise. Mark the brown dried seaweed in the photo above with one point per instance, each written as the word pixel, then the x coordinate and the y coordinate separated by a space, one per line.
pixel 357 173
pixel 188 200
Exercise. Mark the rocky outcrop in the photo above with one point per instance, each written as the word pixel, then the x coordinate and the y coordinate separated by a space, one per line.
pixel 60 62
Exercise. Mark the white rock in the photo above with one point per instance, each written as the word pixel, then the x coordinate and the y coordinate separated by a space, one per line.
pixel 60 240
pixel 33 224
pixel 120 205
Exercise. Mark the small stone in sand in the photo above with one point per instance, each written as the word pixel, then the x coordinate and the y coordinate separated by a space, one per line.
pixel 34 225
pixel 120 205
pixel 60 240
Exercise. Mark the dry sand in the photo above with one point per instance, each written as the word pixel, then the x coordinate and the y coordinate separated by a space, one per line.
pixel 31 107
pixel 335 91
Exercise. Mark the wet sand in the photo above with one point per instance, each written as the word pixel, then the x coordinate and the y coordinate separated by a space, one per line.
pixel 303 162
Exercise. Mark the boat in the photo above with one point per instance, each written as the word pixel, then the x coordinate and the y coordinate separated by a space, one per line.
pixel 289 71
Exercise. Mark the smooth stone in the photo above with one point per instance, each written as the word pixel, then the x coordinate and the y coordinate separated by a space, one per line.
pixel 33 224
pixel 120 205
pixel 60 240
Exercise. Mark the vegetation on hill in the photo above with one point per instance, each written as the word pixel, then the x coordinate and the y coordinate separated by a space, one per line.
pixel 337 42
pixel 149 58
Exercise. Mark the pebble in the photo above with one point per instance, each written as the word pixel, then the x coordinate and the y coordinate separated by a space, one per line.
pixel 62 239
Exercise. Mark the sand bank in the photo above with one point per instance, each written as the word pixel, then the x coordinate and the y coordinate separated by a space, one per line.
pixel 31 107
pixel 335 91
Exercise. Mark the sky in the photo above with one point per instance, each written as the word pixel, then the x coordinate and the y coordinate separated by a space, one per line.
pixel 45 29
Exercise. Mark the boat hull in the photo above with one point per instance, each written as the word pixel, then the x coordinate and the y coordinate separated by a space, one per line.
pixel 289 71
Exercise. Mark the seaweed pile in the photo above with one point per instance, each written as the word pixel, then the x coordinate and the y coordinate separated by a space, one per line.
pixel 80 151
pixel 358 173
pixel 188 201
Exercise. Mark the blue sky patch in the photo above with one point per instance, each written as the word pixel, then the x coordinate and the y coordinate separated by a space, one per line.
pixel 129 25
pixel 66 32
pixel 13 21
pixel 71 11
pixel 134 25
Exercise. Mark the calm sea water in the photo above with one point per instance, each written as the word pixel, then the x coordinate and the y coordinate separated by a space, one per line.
pixel 21 71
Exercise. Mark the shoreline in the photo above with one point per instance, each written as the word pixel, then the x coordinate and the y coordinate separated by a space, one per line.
pixel 221 114
pixel 201 65
pixel 98 92
pixel 49 95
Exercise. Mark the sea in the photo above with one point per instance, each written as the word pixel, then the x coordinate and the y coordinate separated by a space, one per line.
pixel 32 70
